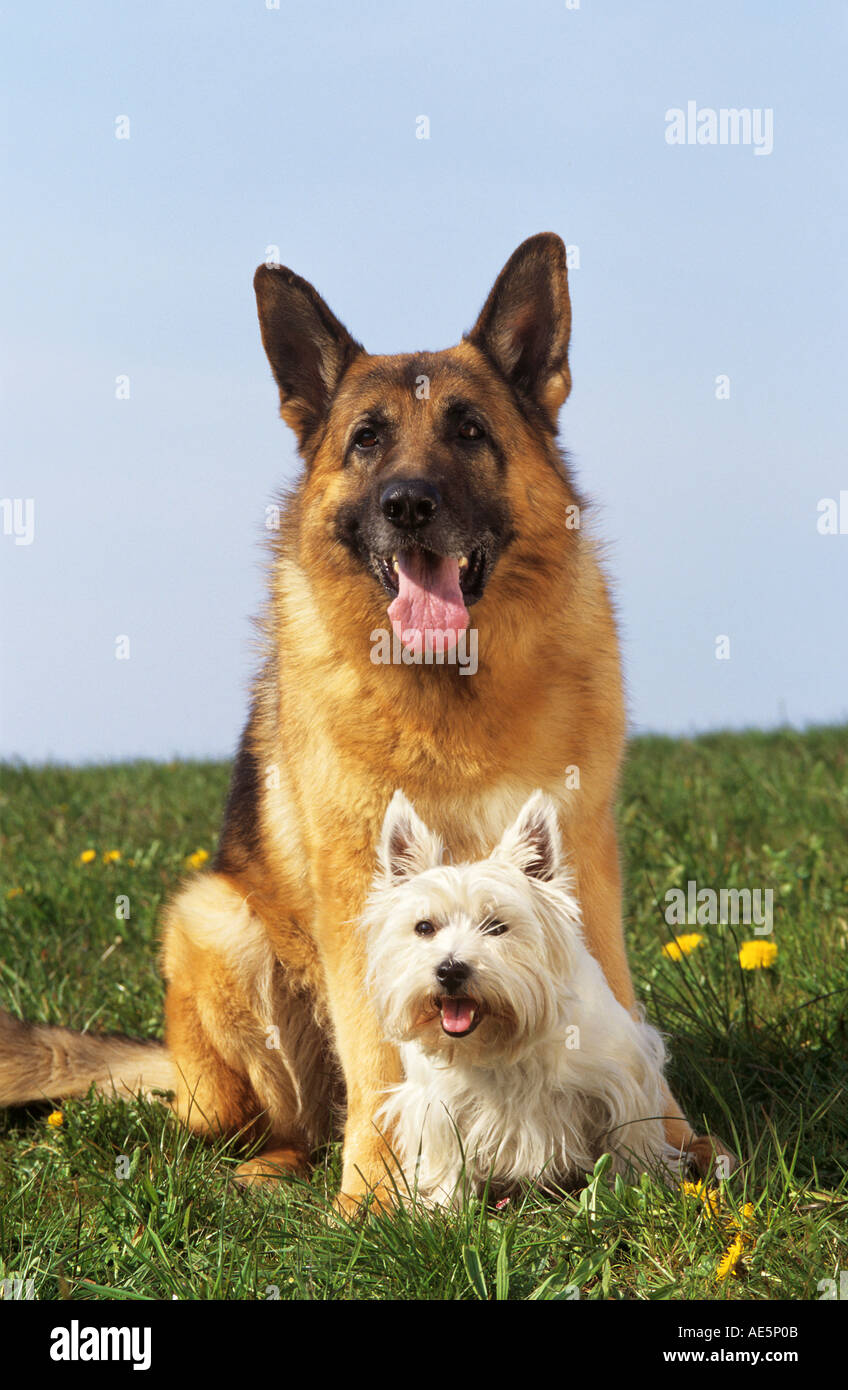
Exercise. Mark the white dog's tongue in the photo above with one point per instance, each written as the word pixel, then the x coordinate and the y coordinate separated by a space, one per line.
pixel 457 1015
pixel 429 599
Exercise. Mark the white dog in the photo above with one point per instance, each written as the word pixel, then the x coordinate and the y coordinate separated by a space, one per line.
pixel 519 1062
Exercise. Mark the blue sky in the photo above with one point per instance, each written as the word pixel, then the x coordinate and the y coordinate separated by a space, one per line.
pixel 296 128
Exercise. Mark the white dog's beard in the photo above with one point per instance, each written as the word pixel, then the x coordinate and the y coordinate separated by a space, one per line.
pixel 465 1029
pixel 435 1016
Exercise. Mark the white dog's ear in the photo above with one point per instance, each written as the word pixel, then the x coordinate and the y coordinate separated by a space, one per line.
pixel 406 846
pixel 533 841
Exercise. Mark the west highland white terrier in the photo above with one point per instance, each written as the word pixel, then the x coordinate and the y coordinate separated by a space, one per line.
pixel 519 1062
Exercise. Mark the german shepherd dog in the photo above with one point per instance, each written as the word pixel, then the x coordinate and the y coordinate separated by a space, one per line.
pixel 432 488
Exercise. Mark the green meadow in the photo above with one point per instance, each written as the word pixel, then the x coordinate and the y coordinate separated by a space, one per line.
pixel 114 1200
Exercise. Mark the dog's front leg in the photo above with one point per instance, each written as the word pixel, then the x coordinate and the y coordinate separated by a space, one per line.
pixel 368 1062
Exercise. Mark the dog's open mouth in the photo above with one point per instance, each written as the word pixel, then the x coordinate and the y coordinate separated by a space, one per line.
pixel 430 592
pixel 460 1015
pixel 421 566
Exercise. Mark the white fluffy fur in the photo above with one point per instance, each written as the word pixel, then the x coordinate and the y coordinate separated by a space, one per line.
pixel 524 1096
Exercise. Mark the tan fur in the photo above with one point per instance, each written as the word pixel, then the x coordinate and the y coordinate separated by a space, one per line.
pixel 41 1062
pixel 272 943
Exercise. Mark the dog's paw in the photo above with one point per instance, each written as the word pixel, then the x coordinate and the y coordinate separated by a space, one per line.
pixel 707 1156
pixel 270 1166
pixel 371 1201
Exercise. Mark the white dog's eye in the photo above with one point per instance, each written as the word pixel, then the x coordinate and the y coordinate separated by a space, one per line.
pixel 495 928
pixel 424 928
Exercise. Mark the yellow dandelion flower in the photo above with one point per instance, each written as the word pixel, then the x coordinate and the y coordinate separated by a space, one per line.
pixel 682 945
pixel 111 856
pixel 730 1260
pixel 757 955
pixel 199 857
pixel 692 1189
pixel 745 1215
pixel 55 1118
pixel 710 1197
pixel 88 856
pixel 14 893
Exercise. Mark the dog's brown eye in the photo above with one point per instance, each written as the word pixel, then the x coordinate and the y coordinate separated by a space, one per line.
pixel 495 928
pixel 469 429
pixel 365 438
pixel 424 928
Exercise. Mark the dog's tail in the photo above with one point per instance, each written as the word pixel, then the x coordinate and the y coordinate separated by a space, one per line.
pixel 41 1062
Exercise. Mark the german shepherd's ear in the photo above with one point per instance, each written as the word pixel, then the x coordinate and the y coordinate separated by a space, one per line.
pixel 525 324
pixel 306 345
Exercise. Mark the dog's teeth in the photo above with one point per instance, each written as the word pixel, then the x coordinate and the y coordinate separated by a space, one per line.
pixel 463 562
pixel 395 564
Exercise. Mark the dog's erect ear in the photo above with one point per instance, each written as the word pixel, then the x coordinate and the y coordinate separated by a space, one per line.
pixel 533 841
pixel 525 324
pixel 406 846
pixel 306 345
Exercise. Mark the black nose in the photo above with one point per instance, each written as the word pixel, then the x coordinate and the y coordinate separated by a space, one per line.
pixel 451 974
pixel 410 502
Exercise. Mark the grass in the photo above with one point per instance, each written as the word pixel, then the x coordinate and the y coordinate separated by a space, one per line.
pixel 117 1201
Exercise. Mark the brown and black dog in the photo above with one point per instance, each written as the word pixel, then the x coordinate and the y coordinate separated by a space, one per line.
pixel 433 487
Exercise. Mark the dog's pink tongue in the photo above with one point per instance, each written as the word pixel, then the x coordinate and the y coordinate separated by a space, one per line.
pixel 429 600
pixel 457 1015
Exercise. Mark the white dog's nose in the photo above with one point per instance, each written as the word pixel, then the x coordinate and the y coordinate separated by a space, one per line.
pixel 452 974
